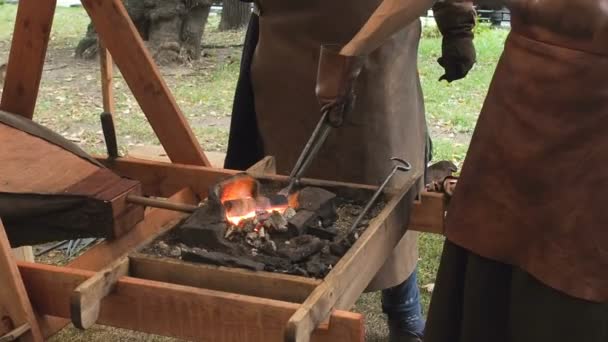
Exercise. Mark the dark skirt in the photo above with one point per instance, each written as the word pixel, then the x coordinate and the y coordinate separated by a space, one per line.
pixel 244 143
pixel 480 300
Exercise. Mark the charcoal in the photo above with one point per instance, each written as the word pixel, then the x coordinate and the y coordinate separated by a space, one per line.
pixel 319 201
pixel 220 259
pixel 322 233
pixel 339 248
pixel 209 236
pixel 297 224
pixel 316 267
pixel 301 248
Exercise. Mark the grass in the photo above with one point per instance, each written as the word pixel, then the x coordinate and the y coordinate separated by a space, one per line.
pixel 70 103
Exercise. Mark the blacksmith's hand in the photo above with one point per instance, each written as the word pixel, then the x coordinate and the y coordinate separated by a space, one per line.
pixel 458 57
pixel 456 21
pixel 336 78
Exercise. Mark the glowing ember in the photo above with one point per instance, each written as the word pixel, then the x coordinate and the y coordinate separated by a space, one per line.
pixel 241 202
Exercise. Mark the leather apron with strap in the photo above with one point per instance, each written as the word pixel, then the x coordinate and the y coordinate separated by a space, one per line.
pixel 388 118
pixel 532 190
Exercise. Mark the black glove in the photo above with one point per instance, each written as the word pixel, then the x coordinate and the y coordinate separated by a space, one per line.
pixel 456 20
pixel 457 58
pixel 336 78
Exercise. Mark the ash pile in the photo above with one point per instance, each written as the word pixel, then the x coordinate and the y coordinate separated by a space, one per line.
pixel 303 234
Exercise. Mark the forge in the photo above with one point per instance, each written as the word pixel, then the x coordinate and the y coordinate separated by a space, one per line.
pixel 246 224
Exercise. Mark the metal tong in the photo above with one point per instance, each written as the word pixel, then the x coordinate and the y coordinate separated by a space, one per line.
pixel 317 139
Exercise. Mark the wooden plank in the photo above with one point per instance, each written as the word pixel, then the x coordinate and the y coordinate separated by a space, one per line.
pixel 26 59
pixel 122 40
pixel 15 307
pixel 162 179
pixel 429 213
pixel 349 278
pixel 31 164
pixel 155 223
pixel 85 301
pixel 25 253
pixel 265 166
pixel 258 284
pixel 180 311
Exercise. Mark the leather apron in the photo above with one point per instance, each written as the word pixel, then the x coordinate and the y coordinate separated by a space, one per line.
pixel 388 117
pixel 533 185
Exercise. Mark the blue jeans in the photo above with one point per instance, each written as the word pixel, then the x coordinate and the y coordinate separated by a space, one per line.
pixel 402 306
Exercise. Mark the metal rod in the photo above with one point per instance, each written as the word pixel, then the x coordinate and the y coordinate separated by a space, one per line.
pixel 53 247
pixel 402 166
pixel 16 333
pixel 312 147
pixel 162 204
pixel 309 145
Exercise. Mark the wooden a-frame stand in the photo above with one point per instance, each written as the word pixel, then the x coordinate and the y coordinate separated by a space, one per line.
pixel 113 285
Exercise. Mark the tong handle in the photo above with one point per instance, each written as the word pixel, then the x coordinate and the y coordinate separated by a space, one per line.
pixel 311 149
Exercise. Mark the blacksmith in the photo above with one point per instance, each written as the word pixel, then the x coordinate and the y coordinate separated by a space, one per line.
pixel 527 253
pixel 276 110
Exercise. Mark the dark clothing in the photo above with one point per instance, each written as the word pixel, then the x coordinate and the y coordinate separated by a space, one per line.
pixel 244 145
pixel 532 189
pixel 480 300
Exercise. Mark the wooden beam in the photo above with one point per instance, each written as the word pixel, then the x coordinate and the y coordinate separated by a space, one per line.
pixel 180 311
pixel 428 214
pixel 26 59
pixel 106 66
pixel 122 40
pixel 155 223
pixel 163 179
pixel 15 307
pixel 85 301
pixel 25 253
pixel 259 284
pixel 349 278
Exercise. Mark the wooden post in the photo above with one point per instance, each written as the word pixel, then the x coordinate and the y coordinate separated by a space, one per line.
pixel 122 40
pixel 15 307
pixel 106 65
pixel 26 59
pixel 85 301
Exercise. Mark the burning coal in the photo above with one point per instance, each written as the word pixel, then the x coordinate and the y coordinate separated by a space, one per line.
pixel 241 201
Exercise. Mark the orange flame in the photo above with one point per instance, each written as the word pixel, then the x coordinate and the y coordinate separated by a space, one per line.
pixel 240 191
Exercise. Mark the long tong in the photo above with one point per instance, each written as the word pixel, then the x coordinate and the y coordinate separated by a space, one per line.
pixel 311 149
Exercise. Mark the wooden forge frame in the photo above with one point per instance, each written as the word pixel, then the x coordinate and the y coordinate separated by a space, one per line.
pixel 113 285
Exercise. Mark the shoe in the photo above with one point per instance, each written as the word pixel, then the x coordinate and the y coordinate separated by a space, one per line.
pixel 399 335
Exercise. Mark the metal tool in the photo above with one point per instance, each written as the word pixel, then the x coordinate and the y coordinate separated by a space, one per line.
pixel 162 204
pixel 107 120
pixel 402 166
pixel 109 134
pixel 318 137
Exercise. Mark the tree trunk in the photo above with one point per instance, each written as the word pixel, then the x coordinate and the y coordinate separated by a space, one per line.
pixel 235 15
pixel 173 29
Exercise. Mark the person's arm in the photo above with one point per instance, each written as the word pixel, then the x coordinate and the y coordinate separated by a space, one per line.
pixel 390 17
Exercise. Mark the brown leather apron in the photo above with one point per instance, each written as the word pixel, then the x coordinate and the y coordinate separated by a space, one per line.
pixel 388 118
pixel 533 186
